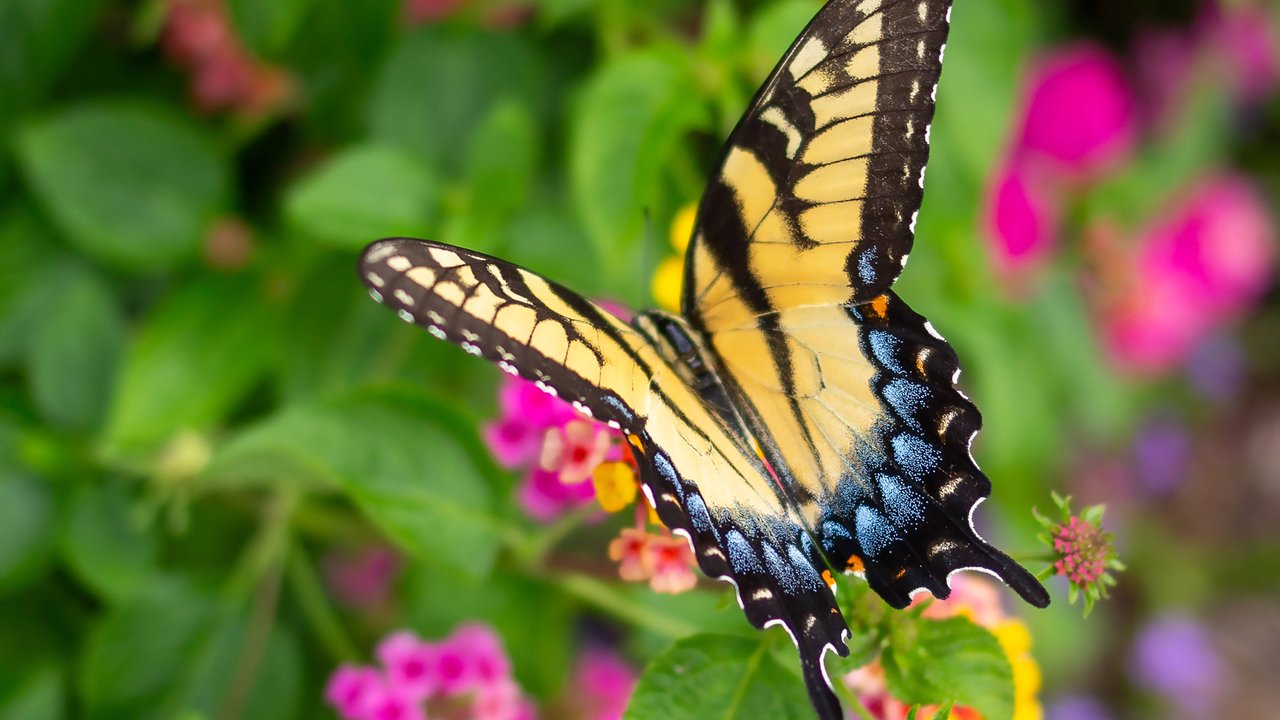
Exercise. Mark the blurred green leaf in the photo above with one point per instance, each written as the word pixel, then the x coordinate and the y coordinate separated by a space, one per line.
pixel 28 263
pixel 139 655
pixel 103 546
pixel 37 694
pixel 75 350
pixel 27 532
pixel 413 465
pixel 627 123
pixel 198 353
pixel 128 183
pixel 273 688
pixel 38 39
pixel 773 29
pixel 362 194
pixel 440 84
pixel 951 660
pixel 267 26
pixel 501 165
pixel 718 676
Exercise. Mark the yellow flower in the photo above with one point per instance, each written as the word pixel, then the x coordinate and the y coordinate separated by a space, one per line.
pixel 682 227
pixel 1015 638
pixel 666 283
pixel 615 485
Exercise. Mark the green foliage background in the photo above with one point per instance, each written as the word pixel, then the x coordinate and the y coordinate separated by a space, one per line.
pixel 181 440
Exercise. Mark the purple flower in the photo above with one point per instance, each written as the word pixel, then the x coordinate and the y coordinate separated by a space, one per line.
pixel 1161 453
pixel 1080 114
pixel 1244 40
pixel 1076 707
pixel 1216 367
pixel 1175 657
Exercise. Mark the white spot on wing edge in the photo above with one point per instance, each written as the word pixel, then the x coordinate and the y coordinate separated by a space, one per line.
pixel 928 326
pixel 375 279
pixel 790 634
pixel 648 495
pixel 399 263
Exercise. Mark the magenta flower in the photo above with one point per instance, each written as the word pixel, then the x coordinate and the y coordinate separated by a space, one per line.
pixel 513 440
pixel 388 703
pixel 1244 39
pixel 361 578
pixel 523 399
pixel 1080 114
pixel 1204 263
pixel 1021 220
pixel 471 658
pixel 352 690
pixel 412 666
pixel 544 497
pixel 603 683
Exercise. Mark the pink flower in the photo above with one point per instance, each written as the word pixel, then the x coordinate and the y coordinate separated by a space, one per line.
pixel 412 666
pixel 575 450
pixel 472 657
pixel 1244 38
pixel 603 683
pixel 351 690
pixel 523 399
pixel 388 703
pixel 361 578
pixel 1080 113
pixel 1205 262
pixel 513 440
pixel 629 551
pixel 1021 220
pixel 672 562
pixel 501 700
pixel 544 497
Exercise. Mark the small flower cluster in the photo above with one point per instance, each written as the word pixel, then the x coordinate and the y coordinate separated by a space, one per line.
pixel 198 36
pixel 978 599
pixel 1161 289
pixel 669 277
pixel 467 675
pixel 569 460
pixel 1083 552
pixel 601 685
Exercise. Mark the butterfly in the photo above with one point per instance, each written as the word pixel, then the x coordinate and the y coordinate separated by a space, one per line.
pixel 797 419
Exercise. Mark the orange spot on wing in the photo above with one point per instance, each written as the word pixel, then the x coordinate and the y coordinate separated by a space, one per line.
pixel 880 306
pixel 826 577
pixel 854 564
pixel 900 573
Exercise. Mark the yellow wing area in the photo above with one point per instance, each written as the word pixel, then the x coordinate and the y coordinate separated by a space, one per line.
pixel 813 210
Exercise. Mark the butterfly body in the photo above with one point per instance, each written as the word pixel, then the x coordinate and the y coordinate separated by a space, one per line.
pixel 797 419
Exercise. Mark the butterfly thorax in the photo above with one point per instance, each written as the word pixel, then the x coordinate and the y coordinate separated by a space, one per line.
pixel 680 348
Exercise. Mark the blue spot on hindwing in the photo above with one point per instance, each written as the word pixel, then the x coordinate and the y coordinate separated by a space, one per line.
pixel 915 455
pixel 742 558
pixel 867 272
pixel 884 347
pixel 785 573
pixel 698 515
pixel 907 399
pixel 905 507
pixel 875 533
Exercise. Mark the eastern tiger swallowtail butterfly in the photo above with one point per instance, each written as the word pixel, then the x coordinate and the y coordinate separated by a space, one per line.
pixel 791 348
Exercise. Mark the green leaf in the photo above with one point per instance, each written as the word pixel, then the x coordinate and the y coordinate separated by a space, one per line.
pixel 773 29
pixel 38 39
pixel 75 350
pixel 713 676
pixel 26 529
pixel 200 351
pixel 501 165
pixel 271 692
pixel 414 466
pixel 130 184
pixel 442 81
pixel 267 26
pixel 951 660
pixel 138 653
pixel 628 121
pixel 28 264
pixel 102 544
pixel 35 695
pixel 362 194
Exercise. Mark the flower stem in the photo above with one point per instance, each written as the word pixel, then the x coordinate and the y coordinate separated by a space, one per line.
pixel 604 597
pixel 315 606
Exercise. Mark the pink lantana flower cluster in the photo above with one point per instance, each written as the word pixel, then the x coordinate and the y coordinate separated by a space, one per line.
pixel 466 676
pixel 1083 552
pixel 1161 288
pixel 198 36
pixel 569 460
pixel 601 685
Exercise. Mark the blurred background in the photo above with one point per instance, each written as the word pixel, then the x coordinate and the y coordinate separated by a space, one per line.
pixel 224 471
